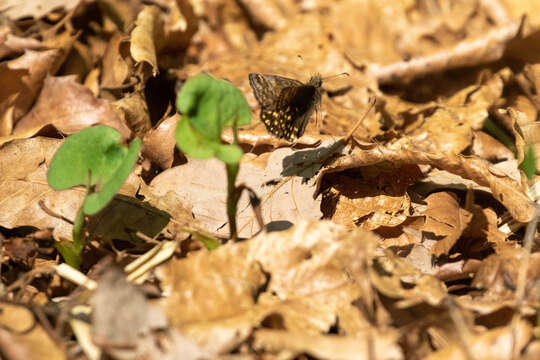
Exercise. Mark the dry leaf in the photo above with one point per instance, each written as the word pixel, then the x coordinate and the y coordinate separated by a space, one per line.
pixel 303 274
pixel 70 107
pixel 504 189
pixel 202 185
pixel 145 36
pixel 446 220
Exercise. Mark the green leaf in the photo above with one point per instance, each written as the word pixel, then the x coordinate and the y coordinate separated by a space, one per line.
pixel 88 157
pixel 212 105
pixel 528 165
pixel 500 134
pixel 93 157
pixel 97 201
pixel 229 154
pixel 192 142
pixel 208 105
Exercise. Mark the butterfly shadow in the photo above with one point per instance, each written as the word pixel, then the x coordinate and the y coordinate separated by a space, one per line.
pixel 307 163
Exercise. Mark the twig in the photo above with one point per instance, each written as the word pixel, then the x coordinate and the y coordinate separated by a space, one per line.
pixel 462 329
pixel 49 212
pixel 528 241
pixel 483 50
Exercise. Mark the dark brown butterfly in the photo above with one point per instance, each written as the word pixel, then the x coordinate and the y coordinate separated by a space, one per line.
pixel 286 104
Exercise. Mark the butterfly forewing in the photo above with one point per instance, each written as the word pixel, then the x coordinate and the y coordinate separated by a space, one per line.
pixel 286 104
pixel 267 88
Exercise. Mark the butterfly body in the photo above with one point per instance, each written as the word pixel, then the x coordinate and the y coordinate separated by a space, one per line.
pixel 286 104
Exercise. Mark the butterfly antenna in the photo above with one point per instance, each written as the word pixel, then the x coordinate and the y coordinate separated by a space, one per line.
pixel 335 76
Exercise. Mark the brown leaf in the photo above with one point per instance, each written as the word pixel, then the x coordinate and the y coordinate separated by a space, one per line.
pixel 159 143
pixel 70 107
pixel 499 343
pixel 375 197
pixel 202 185
pixel 504 189
pixel 489 148
pixel 303 273
pixel 116 63
pixel 22 77
pixel 381 345
pixel 445 219
pixel 392 273
pixel 134 109
pixel 145 37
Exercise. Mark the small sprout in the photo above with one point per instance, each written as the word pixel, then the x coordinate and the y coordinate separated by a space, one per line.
pixel 209 105
pixel 94 158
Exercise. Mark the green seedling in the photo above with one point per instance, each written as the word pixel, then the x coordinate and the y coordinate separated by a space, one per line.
pixel 209 105
pixel 528 165
pixel 95 159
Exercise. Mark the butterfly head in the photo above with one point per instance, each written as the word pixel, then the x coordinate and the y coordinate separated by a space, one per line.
pixel 316 80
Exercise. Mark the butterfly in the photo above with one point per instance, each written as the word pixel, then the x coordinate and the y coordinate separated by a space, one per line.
pixel 286 104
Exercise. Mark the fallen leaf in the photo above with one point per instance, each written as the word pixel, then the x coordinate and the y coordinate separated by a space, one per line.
pixel 504 189
pixel 70 107
pixel 202 185
pixel 383 346
pixel 446 219
pixel 303 274
pixel 146 36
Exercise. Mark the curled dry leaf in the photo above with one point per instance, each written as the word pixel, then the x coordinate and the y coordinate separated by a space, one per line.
pixel 116 63
pixel 70 107
pixel 504 189
pixel 134 111
pixel 159 143
pixel 181 24
pixel 24 76
pixel 446 220
pixel 146 37
pixel 483 49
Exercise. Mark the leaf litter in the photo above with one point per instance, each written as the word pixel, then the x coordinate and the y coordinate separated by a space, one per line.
pixel 407 241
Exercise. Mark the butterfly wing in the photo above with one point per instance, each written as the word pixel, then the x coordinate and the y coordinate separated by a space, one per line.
pixel 297 104
pixel 286 104
pixel 267 88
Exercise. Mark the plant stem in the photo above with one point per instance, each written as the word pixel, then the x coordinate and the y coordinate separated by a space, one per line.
pixel 233 194
pixel 232 198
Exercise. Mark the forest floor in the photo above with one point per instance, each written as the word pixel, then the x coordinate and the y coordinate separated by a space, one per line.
pixel 400 225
